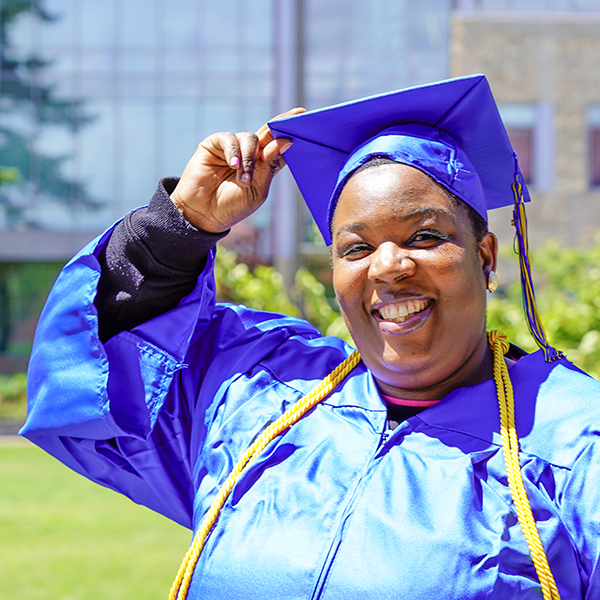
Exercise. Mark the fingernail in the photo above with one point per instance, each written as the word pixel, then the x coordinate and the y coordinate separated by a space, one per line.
pixel 235 162
pixel 245 178
pixel 285 147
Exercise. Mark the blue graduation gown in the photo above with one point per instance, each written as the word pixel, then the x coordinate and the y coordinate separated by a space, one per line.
pixel 337 507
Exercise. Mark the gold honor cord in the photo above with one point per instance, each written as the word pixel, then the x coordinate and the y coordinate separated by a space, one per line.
pixel 510 443
pixel 181 584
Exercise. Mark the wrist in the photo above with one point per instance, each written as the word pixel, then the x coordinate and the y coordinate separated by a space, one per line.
pixel 196 218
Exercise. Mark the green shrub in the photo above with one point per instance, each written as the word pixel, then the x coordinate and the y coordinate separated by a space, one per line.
pixel 263 289
pixel 567 284
pixel 13 396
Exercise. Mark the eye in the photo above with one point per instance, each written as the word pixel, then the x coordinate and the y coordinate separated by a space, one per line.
pixel 426 238
pixel 354 250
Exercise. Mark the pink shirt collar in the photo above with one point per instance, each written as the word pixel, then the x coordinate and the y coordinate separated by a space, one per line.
pixel 403 402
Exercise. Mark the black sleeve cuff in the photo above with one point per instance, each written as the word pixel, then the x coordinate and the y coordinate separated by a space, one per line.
pixel 171 240
pixel 152 260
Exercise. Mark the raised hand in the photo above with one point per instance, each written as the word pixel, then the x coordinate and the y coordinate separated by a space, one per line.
pixel 228 177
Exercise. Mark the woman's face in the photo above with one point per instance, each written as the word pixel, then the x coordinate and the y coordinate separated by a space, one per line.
pixel 410 278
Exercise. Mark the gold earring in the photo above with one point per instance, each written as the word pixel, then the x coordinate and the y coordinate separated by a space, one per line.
pixel 492 284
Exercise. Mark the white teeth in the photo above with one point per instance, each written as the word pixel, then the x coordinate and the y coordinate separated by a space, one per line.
pixel 401 311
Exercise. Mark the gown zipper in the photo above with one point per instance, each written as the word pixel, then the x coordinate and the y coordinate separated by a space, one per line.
pixel 361 479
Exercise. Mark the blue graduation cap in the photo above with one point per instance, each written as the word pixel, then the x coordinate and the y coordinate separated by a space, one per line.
pixel 451 130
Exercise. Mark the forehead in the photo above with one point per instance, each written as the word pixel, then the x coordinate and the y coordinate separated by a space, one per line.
pixel 393 189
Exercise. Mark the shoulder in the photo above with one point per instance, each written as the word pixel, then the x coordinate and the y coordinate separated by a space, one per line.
pixel 289 348
pixel 265 321
pixel 557 410
pixel 557 407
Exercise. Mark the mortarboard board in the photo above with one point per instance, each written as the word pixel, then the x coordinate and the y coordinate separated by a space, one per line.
pixel 451 130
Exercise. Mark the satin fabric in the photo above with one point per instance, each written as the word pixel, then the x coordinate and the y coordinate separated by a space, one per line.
pixel 338 507
pixel 429 149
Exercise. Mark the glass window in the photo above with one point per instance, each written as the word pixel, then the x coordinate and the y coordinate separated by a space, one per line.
pixel 520 122
pixel 219 114
pixel 137 86
pixel 96 148
pixel 179 135
pixel 220 23
pixel 521 139
pixel 59 32
pixel 257 24
pixel 221 60
pixel 179 23
pixel 528 5
pixel 360 48
pixel 137 23
pixel 180 61
pixel 137 61
pixel 136 140
pixel 62 64
pixel 93 62
pixel 96 22
pixel 595 156
pixel 178 86
pixel 256 112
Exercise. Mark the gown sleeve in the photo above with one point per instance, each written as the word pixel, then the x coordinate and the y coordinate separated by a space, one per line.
pixel 581 514
pixel 118 402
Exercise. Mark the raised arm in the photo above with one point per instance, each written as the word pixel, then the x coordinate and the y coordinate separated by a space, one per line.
pixel 154 256
pixel 111 387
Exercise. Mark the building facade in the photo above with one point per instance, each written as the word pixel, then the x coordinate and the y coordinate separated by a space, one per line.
pixel 151 78
pixel 99 100
pixel 542 64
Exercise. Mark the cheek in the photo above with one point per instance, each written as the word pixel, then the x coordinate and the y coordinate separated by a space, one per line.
pixel 456 272
pixel 348 284
pixel 444 265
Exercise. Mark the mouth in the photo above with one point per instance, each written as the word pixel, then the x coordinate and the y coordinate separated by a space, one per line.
pixel 400 312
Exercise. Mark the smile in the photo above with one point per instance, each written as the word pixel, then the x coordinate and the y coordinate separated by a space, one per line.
pixel 398 312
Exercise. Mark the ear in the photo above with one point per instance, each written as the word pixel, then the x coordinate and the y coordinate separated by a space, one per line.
pixel 488 250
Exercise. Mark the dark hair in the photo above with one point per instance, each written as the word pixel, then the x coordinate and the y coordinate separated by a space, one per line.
pixel 478 223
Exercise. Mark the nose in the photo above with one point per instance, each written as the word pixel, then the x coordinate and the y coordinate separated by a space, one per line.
pixel 390 263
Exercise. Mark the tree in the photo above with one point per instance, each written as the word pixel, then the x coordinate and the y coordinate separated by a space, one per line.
pixel 26 106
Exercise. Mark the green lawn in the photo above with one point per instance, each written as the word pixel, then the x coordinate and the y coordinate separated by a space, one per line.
pixel 65 538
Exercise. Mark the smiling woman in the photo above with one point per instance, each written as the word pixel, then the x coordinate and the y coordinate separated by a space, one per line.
pixel 409 274
pixel 440 462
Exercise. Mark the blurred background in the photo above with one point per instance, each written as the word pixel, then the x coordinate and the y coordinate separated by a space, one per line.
pixel 99 99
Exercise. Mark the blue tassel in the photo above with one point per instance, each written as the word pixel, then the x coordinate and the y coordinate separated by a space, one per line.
pixel 534 322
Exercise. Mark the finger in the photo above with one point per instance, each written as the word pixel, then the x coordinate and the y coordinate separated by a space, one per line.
pixel 274 150
pixel 248 143
pixel 225 145
pixel 264 133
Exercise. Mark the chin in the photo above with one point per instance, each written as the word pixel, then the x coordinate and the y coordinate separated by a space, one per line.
pixel 415 367
pixel 399 369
